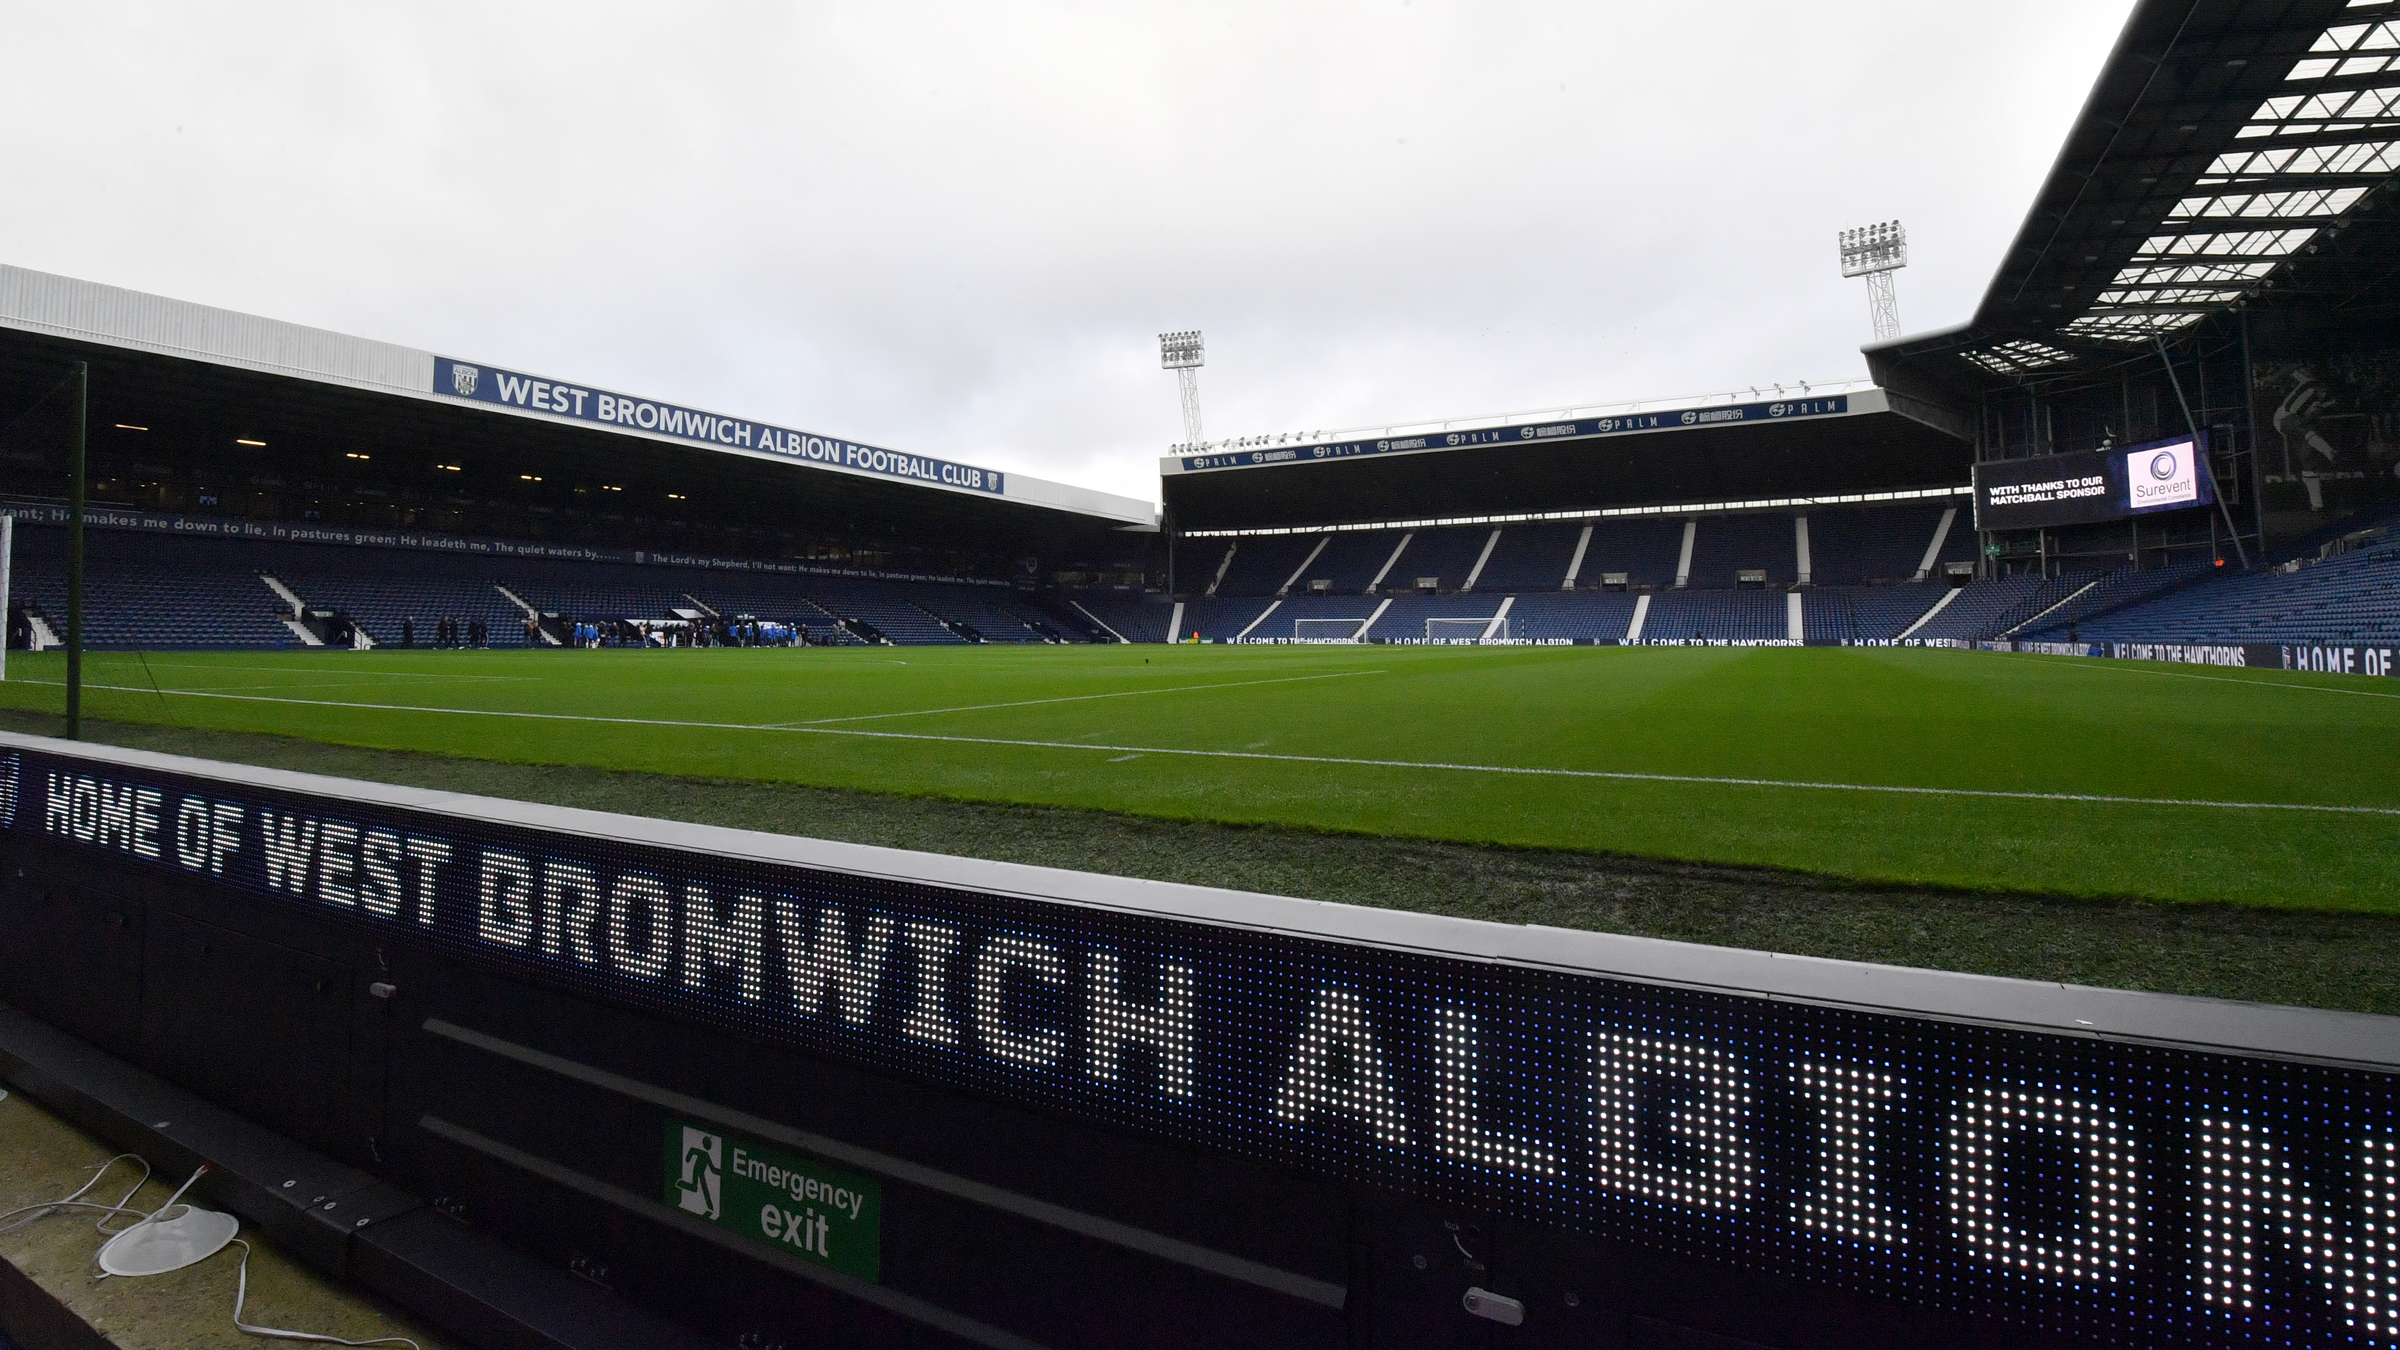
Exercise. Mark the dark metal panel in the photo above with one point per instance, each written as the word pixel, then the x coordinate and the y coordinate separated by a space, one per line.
pixel 1867 452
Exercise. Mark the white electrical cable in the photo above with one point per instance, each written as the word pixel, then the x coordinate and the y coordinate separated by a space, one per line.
pixel 48 1207
pixel 241 1288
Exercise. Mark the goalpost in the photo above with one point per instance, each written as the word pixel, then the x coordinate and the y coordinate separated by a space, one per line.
pixel 1327 630
pixel 1485 629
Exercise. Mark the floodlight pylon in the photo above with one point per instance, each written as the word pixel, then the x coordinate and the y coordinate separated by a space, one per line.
pixel 1184 353
pixel 1875 252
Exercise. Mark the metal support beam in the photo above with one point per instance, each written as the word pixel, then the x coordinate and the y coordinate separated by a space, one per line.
pixel 75 476
pixel 2194 426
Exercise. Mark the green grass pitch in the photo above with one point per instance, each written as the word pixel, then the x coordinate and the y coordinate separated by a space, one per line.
pixel 2062 775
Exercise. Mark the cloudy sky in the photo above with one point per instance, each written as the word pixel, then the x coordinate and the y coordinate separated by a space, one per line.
pixel 958 228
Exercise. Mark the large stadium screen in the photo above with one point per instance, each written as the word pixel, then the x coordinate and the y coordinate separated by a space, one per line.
pixel 2078 488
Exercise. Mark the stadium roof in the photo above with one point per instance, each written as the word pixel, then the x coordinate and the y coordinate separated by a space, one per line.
pixel 1806 440
pixel 234 368
pixel 2232 153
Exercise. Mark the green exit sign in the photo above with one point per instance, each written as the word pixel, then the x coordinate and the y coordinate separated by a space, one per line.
pixel 798 1206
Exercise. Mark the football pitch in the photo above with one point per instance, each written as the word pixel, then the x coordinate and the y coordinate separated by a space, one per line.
pixel 1925 767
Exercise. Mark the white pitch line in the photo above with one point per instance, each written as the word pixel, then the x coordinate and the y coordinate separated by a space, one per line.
pixel 352 674
pixel 1068 698
pixel 1504 769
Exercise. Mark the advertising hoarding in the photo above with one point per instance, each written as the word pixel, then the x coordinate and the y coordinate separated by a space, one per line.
pixel 2090 485
pixel 2164 1188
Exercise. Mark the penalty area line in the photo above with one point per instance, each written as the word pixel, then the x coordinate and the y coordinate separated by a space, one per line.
pixel 1610 775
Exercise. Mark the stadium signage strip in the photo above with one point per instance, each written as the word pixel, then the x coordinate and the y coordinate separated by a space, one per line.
pixel 508 389
pixel 233 527
pixel 2142 1190
pixel 2319 660
pixel 1526 433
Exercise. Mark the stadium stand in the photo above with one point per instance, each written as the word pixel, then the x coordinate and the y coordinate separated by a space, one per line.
pixel 162 591
pixel 1349 561
pixel 2121 589
pixel 379 590
pixel 989 612
pixel 1646 550
pixel 2351 598
pixel 1865 613
pixel 1865 545
pixel 1530 558
pixel 1724 546
pixel 1988 606
pixel 1447 555
pixel 1224 618
pixel 600 591
pixel 1716 616
pixel 1262 564
pixel 1297 606
pixel 1405 620
pixel 1573 616
pixel 769 595
pixel 146 592
pixel 1135 620
pixel 884 606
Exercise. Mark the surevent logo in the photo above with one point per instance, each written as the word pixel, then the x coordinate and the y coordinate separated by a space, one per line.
pixel 2162 476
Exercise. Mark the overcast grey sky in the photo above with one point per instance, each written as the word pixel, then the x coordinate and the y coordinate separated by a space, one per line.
pixel 958 228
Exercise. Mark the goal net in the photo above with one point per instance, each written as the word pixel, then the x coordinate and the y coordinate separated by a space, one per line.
pixel 1327 630
pixel 1469 630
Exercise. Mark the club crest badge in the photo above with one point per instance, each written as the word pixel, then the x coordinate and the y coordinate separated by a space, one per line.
pixel 462 379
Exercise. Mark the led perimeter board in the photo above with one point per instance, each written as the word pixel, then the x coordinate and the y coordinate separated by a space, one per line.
pixel 2141 1169
pixel 2089 485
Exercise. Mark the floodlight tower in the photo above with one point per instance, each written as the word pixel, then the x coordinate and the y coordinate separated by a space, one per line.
pixel 1184 354
pixel 1875 252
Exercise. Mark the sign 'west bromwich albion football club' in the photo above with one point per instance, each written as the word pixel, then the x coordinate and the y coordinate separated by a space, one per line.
pixel 508 389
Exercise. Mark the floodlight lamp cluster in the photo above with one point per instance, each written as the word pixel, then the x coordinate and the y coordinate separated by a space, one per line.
pixel 1874 248
pixel 1181 351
